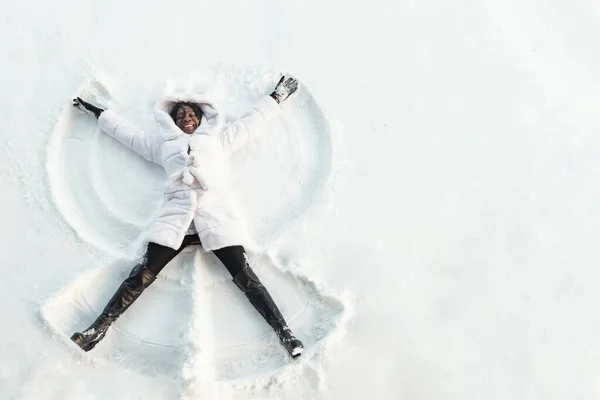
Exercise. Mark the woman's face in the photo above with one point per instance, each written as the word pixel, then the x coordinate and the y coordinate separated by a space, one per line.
pixel 186 120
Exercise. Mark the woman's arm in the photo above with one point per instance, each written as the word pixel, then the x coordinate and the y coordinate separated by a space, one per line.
pixel 255 122
pixel 111 123
pixel 147 146
pixel 236 134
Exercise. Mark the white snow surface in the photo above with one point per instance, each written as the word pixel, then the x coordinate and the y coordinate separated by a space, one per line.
pixel 425 211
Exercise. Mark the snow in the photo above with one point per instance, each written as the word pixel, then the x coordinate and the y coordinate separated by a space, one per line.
pixel 424 210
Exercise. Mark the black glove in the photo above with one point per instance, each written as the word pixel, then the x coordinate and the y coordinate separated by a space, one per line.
pixel 87 107
pixel 283 90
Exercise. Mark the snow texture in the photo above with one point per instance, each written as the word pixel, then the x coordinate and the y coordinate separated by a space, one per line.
pixel 425 210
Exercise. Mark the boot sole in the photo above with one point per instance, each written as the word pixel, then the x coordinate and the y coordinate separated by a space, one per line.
pixel 77 338
pixel 297 352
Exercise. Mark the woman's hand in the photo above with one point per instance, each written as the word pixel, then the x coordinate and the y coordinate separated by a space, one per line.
pixel 87 107
pixel 284 89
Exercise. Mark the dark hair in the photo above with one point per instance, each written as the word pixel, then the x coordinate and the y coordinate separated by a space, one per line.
pixel 195 108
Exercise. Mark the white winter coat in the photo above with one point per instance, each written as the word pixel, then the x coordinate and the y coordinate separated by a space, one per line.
pixel 197 185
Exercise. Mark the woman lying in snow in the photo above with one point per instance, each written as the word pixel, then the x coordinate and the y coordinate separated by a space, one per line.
pixel 193 146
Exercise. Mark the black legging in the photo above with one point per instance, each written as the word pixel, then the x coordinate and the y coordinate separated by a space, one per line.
pixel 158 256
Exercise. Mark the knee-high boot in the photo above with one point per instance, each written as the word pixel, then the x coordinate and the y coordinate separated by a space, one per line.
pixel 260 298
pixel 131 288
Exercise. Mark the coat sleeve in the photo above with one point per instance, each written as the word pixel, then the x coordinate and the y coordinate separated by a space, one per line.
pixel 145 145
pixel 256 121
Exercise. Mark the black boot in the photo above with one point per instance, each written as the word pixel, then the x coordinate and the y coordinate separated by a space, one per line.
pixel 260 298
pixel 131 288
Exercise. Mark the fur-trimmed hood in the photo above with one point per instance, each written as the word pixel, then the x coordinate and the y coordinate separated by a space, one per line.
pixel 211 121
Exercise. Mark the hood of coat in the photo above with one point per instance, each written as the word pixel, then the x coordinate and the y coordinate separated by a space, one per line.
pixel 210 123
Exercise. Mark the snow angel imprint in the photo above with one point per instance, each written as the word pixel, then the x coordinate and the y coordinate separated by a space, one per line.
pixel 193 145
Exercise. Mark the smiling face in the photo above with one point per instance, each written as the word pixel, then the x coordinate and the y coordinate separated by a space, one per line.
pixel 186 119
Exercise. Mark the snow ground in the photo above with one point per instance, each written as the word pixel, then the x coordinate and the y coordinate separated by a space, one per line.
pixel 439 214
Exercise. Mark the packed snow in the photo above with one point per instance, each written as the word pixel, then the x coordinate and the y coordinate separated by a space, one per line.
pixel 424 210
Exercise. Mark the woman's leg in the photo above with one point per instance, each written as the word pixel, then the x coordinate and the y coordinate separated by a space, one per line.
pixel 141 276
pixel 235 260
